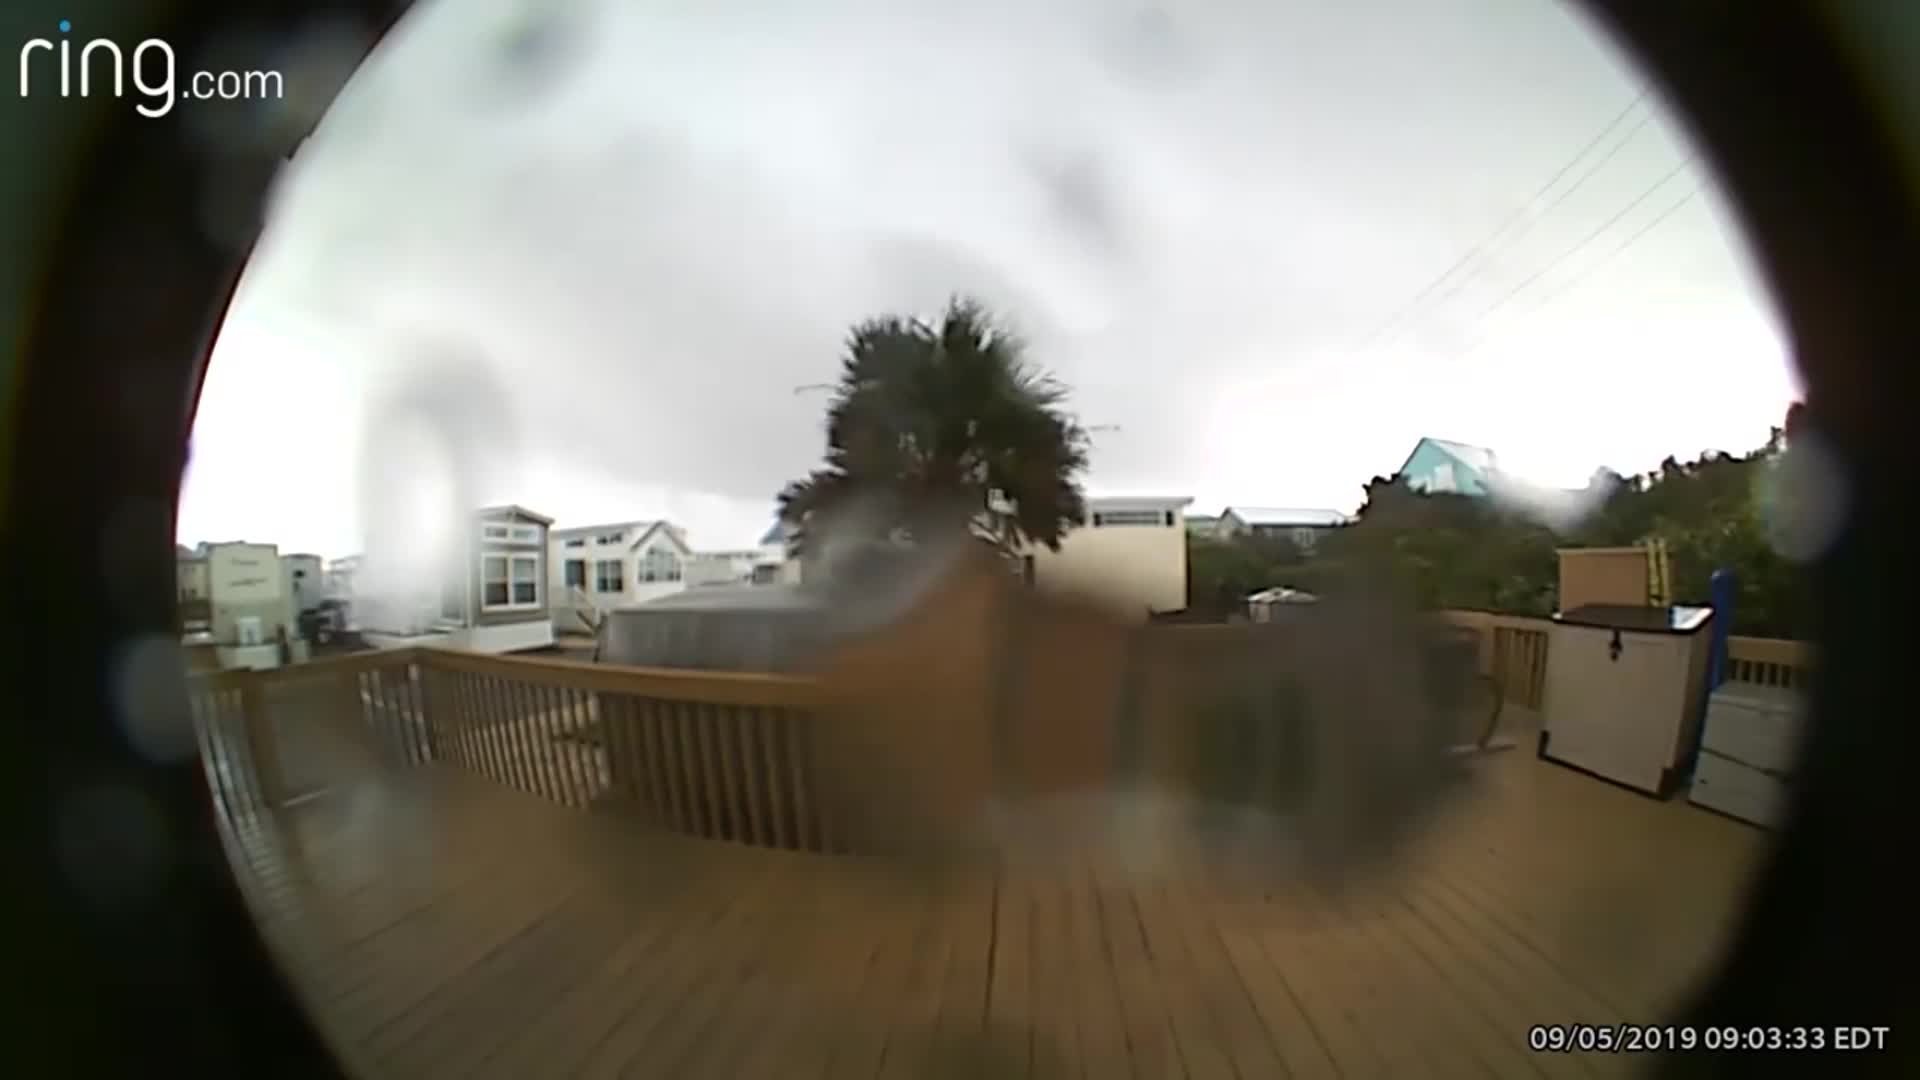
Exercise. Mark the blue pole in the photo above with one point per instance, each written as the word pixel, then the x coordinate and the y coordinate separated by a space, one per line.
pixel 1721 588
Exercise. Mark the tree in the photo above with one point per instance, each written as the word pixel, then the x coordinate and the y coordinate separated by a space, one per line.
pixel 1461 552
pixel 1223 571
pixel 943 429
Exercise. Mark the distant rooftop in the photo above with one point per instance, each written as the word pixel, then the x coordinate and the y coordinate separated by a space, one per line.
pixel 1478 457
pixel 611 526
pixel 1281 517
pixel 513 508
pixel 1138 502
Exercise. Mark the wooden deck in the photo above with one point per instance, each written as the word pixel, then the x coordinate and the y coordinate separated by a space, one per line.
pixel 444 924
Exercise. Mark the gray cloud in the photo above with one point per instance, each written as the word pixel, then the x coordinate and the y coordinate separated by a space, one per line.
pixel 658 221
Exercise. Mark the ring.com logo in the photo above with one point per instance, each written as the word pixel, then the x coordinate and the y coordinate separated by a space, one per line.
pixel 151 67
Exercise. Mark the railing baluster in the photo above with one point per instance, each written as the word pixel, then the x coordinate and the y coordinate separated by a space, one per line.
pixel 666 722
pixel 745 728
pixel 772 723
pixel 490 723
pixel 658 745
pixel 615 714
pixel 715 720
pixel 812 822
pixel 700 796
pixel 522 734
pixel 558 723
pixel 578 719
pixel 537 703
pixel 718 823
pixel 555 721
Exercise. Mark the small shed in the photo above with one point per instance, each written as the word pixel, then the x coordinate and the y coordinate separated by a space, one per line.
pixel 1609 576
pixel 1271 605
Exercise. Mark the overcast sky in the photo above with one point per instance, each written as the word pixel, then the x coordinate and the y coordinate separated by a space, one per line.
pixel 595 247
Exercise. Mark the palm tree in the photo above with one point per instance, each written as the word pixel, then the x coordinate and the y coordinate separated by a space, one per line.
pixel 943 430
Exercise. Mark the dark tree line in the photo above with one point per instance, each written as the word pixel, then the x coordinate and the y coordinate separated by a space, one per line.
pixel 1456 551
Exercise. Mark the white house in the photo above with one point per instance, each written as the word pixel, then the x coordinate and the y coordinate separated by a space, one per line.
pixel 764 564
pixel 603 567
pixel 248 607
pixel 489 596
pixel 1302 526
pixel 1132 552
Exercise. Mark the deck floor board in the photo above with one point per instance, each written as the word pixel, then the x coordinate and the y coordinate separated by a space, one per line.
pixel 442 925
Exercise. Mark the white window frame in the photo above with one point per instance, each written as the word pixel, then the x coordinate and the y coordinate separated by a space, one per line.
pixel 512 563
pixel 657 566
pixel 600 577
pixel 1131 519
pixel 500 532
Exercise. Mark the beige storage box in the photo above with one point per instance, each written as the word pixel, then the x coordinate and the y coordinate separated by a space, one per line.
pixel 1622 695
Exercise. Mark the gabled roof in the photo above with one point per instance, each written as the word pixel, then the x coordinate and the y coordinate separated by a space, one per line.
pixel 513 509
pixel 1277 517
pixel 612 526
pixel 1478 458
pixel 662 526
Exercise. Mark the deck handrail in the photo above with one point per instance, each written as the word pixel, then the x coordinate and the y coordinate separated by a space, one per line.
pixel 752 758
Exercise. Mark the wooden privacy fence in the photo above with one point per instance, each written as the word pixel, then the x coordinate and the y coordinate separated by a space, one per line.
pixel 764 760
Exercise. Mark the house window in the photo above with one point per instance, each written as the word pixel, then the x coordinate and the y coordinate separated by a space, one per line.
pixel 1110 518
pixel 509 581
pixel 577 542
pixel 510 534
pixel 1304 539
pixel 576 571
pixel 659 565
pixel 1442 478
pixel 607 577
pixel 610 538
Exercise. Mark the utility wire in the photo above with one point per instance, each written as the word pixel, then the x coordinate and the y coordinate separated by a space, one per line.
pixel 1594 267
pixel 1534 219
pixel 1526 282
pixel 1519 215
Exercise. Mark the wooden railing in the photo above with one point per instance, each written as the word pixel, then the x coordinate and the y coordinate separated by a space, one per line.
pixel 723 756
pixel 1513 649
pixel 1769 662
pixel 760 759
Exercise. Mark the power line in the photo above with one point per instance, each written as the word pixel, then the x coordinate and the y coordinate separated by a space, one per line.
pixel 1612 152
pixel 1594 267
pixel 1517 216
pixel 1584 241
